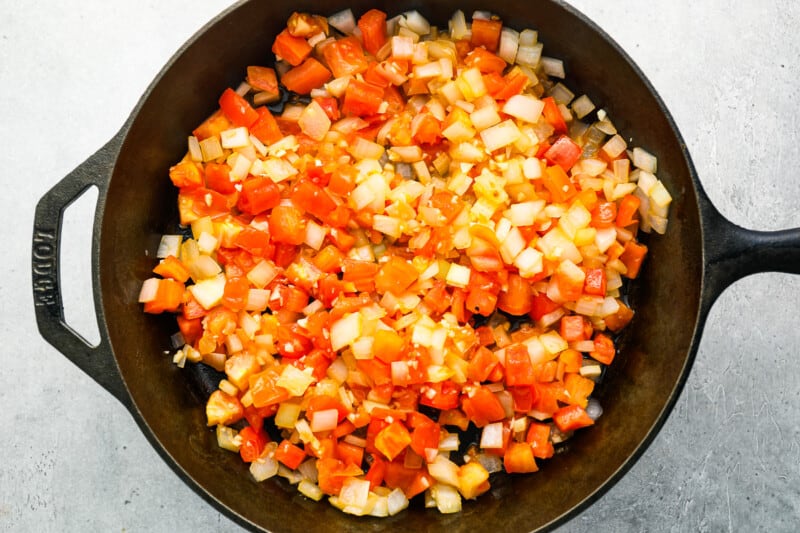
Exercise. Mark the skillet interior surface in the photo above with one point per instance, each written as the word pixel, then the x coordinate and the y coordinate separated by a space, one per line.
pixel 140 206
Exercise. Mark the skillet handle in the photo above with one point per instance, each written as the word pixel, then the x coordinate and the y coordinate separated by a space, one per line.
pixel 733 252
pixel 97 361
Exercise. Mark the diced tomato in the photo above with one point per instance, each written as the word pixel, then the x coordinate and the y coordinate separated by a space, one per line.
pixel 253 442
pixel 571 417
pixel 263 79
pixel 486 33
pixel 485 256
pixel 552 114
pixel 373 30
pixel 443 395
pixel 570 286
pixel 309 75
pixel 376 472
pixel 293 49
pixel 361 99
pixel 604 350
pixel 392 440
pixel 186 175
pixel 518 298
pixel 421 482
pixel 482 364
pixel 388 345
pixel 519 370
pixel 494 82
pixel 604 215
pixel 286 225
pixel 345 57
pixel 485 61
pixel 312 198
pixel 539 439
pixel 458 306
pixel 324 403
pixel 616 321
pixel 374 77
pixel 397 475
pixel 266 128
pixel 264 389
pixel 515 81
pixel 191 329
pixel 258 195
pixel 306 24
pixel 291 341
pixel 237 109
pixel 350 453
pixel 222 408
pixel 333 472
pixel 426 129
pixel 564 152
pixel 378 372
pixel 172 267
pixel 169 297
pixel 482 406
pixel 481 302
pixel 595 282
pixel 627 210
pixel 254 241
pixel 572 328
pixel 578 389
pixel 235 295
pixel 519 458
pixel 547 395
pixel 212 126
pixel 289 454
pixel 205 202
pixel 558 184
pixel 633 256
pixel 395 276
pixel 191 308
pixel 218 177
pixel 425 434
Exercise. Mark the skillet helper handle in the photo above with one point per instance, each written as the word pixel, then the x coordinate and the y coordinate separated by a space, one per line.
pixel 97 361
pixel 734 252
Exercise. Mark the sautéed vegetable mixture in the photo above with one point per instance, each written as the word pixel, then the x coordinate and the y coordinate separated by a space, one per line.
pixel 408 245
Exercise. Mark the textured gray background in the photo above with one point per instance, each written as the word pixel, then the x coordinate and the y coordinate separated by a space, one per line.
pixel 728 459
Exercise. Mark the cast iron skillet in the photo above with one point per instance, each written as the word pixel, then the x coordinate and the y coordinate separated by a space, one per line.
pixel 701 254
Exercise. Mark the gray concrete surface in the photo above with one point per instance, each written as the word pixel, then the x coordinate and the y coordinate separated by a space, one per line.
pixel 728 459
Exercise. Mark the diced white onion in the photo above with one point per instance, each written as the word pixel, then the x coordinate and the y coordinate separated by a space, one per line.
pixel 310 490
pixel 509 42
pixel 264 468
pixel 458 26
pixel 344 21
pixel 492 436
pixel 582 106
pixel 324 420
pixel 644 160
pixel 524 107
pixel 415 22
pixel 149 290
pixel 500 135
